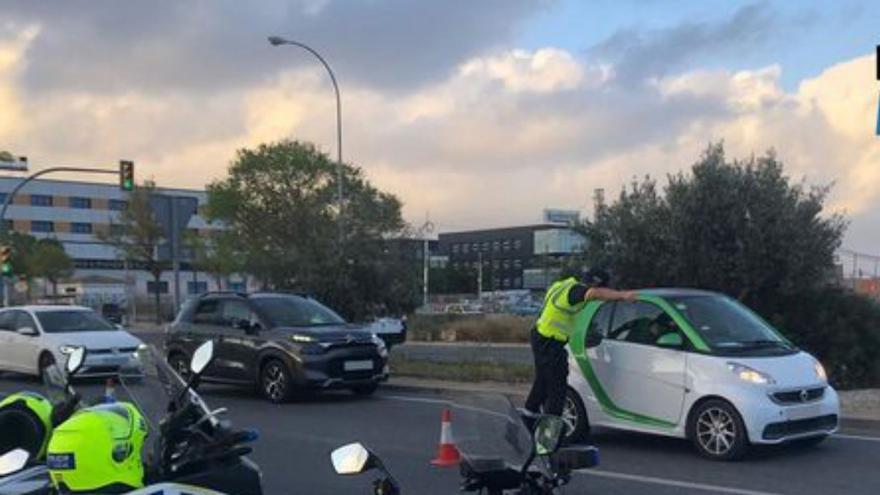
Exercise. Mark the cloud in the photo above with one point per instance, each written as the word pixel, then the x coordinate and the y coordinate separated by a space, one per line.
pixel 211 45
pixel 638 54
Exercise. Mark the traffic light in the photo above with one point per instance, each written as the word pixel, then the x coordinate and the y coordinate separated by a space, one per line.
pixel 126 175
pixel 5 261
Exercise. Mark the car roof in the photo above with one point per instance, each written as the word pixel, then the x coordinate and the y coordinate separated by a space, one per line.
pixel 676 292
pixel 47 307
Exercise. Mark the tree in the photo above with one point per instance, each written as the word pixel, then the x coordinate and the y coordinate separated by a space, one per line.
pixel 22 246
pixel 136 234
pixel 49 260
pixel 216 254
pixel 280 200
pixel 6 156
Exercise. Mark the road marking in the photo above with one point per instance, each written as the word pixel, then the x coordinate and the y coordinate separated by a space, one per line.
pixel 416 399
pixel 674 483
pixel 856 437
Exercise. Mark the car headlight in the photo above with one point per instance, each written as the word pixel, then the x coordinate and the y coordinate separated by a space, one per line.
pixel 298 337
pixel 67 349
pixel 380 344
pixel 750 374
pixel 820 371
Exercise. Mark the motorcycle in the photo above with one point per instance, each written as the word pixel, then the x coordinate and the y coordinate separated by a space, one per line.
pixel 185 447
pixel 499 454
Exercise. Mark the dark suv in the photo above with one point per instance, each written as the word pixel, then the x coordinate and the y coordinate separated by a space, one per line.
pixel 279 342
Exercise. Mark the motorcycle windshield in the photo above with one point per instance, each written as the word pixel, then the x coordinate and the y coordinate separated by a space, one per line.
pixel 54 383
pixel 489 432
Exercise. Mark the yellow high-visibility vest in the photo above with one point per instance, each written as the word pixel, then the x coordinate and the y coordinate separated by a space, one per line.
pixel 557 316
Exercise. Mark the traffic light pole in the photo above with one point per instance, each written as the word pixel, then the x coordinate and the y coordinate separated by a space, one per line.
pixel 23 183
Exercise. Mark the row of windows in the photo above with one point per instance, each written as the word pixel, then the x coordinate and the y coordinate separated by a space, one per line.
pixel 45 226
pixel 505 264
pixel 484 247
pixel 507 282
pixel 73 202
pixel 198 287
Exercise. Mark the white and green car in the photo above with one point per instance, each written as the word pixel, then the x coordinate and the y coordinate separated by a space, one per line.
pixel 697 365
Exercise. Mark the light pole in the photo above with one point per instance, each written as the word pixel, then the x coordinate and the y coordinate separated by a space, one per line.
pixel 277 41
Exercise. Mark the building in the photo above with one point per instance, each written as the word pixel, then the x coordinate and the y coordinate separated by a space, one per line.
pixel 75 212
pixel 511 258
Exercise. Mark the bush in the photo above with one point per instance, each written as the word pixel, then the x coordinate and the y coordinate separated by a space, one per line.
pixel 840 328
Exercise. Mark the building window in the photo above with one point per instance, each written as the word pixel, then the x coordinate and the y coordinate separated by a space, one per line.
pixel 197 287
pixel 163 287
pixel 505 282
pixel 517 244
pixel 517 263
pixel 3 197
pixel 506 264
pixel 517 283
pixel 81 228
pixel 465 248
pixel 117 204
pixel 81 203
pixel 42 226
pixel 41 200
pixel 496 264
pixel 507 245
pixel 486 247
pixel 237 287
pixel 455 249
pixel 117 229
pixel 496 246
pixel 475 247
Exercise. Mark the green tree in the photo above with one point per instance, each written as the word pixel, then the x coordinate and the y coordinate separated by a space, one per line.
pixel 6 156
pixel 49 260
pixel 216 254
pixel 280 200
pixel 22 246
pixel 136 234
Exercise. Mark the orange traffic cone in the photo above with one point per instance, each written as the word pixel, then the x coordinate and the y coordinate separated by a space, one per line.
pixel 447 454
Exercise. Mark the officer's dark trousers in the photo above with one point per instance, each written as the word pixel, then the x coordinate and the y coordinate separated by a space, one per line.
pixel 551 375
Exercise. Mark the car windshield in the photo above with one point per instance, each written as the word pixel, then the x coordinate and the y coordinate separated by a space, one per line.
pixel 726 324
pixel 295 311
pixel 62 321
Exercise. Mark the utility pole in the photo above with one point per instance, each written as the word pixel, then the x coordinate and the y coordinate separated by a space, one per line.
pixel 480 275
pixel 424 231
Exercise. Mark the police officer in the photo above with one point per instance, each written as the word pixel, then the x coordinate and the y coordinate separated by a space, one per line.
pixel 564 299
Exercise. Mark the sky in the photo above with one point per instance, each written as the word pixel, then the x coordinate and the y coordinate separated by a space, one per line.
pixel 475 113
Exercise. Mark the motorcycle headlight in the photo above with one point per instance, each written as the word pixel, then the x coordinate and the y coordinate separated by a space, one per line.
pixel 751 375
pixel 820 371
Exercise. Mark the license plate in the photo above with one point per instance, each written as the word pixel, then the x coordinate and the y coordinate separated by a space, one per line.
pixel 803 412
pixel 358 365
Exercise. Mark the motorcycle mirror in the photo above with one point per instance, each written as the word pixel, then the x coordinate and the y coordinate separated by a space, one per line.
pixel 202 357
pixel 75 359
pixel 353 458
pixel 13 461
pixel 548 434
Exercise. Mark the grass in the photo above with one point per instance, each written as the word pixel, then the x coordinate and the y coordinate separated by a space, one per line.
pixel 467 371
pixel 470 328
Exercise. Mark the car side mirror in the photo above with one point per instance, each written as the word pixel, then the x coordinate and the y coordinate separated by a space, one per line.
pixel 353 458
pixel 27 331
pixel 593 339
pixel 202 358
pixel 13 461
pixel 672 340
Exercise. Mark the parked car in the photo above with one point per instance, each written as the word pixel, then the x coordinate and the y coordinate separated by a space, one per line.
pixel 696 365
pixel 392 331
pixel 33 337
pixel 113 313
pixel 282 343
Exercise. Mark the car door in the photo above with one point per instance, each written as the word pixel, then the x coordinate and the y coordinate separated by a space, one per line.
pixel 24 350
pixel 643 381
pixel 203 326
pixel 237 347
pixel 7 329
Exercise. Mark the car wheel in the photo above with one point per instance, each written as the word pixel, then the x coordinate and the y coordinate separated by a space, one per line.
pixel 717 431
pixel 46 360
pixel 365 390
pixel 275 381
pixel 574 415
pixel 179 363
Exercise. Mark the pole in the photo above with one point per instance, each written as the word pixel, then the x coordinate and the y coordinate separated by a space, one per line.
pixel 480 275
pixel 175 252
pixel 425 269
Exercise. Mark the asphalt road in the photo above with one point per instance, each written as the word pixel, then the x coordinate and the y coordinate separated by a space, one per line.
pixel 403 429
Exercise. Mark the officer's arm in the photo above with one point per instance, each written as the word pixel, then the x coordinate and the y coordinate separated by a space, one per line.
pixel 603 294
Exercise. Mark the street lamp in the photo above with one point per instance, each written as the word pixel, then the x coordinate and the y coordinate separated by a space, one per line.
pixel 276 41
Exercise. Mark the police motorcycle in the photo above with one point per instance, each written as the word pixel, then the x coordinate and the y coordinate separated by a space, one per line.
pixel 160 436
pixel 499 454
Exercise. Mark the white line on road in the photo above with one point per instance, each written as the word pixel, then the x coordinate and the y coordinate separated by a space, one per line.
pixel 856 437
pixel 674 483
pixel 415 399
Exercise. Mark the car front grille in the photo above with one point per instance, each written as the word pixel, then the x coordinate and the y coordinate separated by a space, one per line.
pixel 800 396
pixel 819 424
pixel 121 350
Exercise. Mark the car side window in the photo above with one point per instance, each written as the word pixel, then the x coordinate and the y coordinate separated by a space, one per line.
pixel 232 312
pixel 632 322
pixel 7 321
pixel 601 320
pixel 24 320
pixel 206 312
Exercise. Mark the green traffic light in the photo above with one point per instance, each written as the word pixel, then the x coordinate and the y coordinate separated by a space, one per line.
pixel 128 185
pixel 6 269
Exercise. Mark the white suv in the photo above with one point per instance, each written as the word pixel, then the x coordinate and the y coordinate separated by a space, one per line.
pixel 32 337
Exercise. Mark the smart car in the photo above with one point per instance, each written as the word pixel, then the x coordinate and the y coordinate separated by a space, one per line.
pixel 696 365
